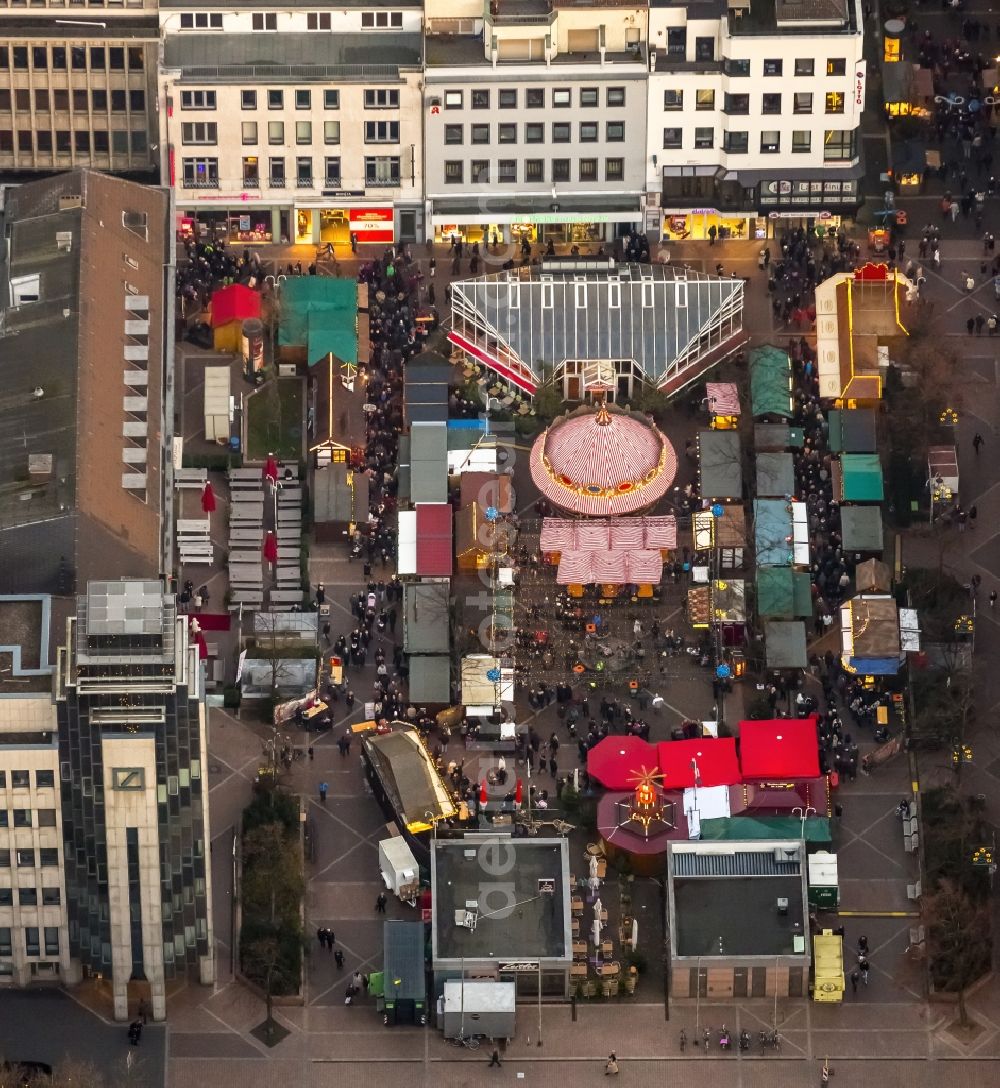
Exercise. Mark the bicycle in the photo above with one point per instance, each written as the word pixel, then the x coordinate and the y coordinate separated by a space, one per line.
pixel 470 1042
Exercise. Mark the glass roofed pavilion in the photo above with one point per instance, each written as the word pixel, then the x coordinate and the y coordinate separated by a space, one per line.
pixel 604 329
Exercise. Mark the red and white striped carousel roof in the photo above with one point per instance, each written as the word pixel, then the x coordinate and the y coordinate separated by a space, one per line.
pixel 603 462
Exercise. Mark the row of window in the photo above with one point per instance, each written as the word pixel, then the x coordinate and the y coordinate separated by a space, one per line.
pixel 802 102
pixel 25 858
pixel 835 66
pixel 22 817
pixel 534 133
pixel 534 98
pixel 203 173
pixel 838 144
pixel 315 20
pixel 21 780
pixel 29 897
pixel 207 132
pixel 83 142
pixel 82 100
pixel 96 57
pixel 534 170
pixel 31 946
pixel 375 98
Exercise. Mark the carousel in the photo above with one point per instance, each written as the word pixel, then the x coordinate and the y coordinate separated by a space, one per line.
pixel 639 823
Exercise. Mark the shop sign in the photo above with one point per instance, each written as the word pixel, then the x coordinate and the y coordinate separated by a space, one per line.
pixel 578 217
pixel 244 222
pixel 343 194
pixel 859 86
pixel 798 214
pixel 374 224
pixel 519 967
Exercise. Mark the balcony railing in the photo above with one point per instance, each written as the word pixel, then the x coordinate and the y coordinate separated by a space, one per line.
pixel 381 183
pixel 276 183
pixel 251 183
pixel 303 183
pixel 201 183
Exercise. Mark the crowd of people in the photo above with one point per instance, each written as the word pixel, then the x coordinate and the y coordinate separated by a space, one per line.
pixel 211 265
pixel 805 261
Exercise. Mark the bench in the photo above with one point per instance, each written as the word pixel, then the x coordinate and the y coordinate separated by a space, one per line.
pixel 911 835
pixel 913 891
pixel 190 478
pixel 243 534
pixel 236 556
pixel 196 560
pixel 285 596
pixel 246 474
pixel 252 597
pixel 187 526
pixel 288 555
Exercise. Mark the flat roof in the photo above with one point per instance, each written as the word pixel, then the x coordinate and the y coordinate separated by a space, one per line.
pixel 736 916
pixel 25 628
pixel 517 915
pixel 274 52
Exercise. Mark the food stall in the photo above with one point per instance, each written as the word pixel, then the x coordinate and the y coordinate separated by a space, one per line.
pixel 478 1007
pixel 399 869
pixel 824 884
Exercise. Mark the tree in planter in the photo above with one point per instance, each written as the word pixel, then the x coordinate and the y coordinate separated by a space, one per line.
pixel 273 885
pixel 959 941
pixel 263 958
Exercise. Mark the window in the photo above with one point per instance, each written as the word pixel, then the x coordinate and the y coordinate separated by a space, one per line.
pixel 22 816
pixel 803 103
pixel 704 138
pixel 276 173
pixel 381 132
pixel 19 780
pixel 303 179
pixel 5 945
pixel 614 169
pixel 248 100
pixel 381 19
pixel 249 131
pixel 588 132
pixel 27 897
pixel 51 897
pixel 31 940
pixel 303 132
pixel 21 58
pixel 736 143
pixel 41 100
pixel 560 170
pixel 6 897
pixel 534 98
pixel 116 58
pixel 331 171
pixel 63 141
pixel 801 141
pixel 201 173
pixel 199 132
pixel 737 67
pixel 615 132
pixel 25 859
pixel 672 138
pixel 561 132
pixel 4 818
pixel 119 101
pixel 22 100
pixel 43 779
pixel 589 96
pixel 96 57
pixel 737 104
pixel 331 132
pixel 479 171
pixel 507 170
pixel 264 20
pixel 275 132
pixel 202 20
pixel 251 180
pixel 381 99
pixel 40 58
pixel 136 61
pixel 4 859
pixel 318 20
pixel 561 98
pixel 534 169
pixel 48 856
pixel 381 169
pixel 772 67
pixel 303 100
pixel 771 103
pixel 834 102
pixel 704 49
pixel 508 100
pixel 674 100
pixel 704 100
pixel 838 145
pixel 46 817
pixel 24 140
pixel 60 99
pixel 837 66
pixel 677 42
pixel 534 133
pixel 616 96
pixel 452 100
pixel 479 134
pixel 51 940
pixel 276 100
pixel 194 100
pixel 3 778
pixel 770 142
pixel 480 100
pixel 507 134
pixel 587 169
pixel 331 99
pixel 805 66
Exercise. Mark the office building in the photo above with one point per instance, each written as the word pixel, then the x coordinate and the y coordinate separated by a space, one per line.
pixel 292 125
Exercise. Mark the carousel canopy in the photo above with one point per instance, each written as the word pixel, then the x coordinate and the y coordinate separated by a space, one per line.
pixel 779 749
pixel 639 566
pixel 620 762
pixel 723 398
pixel 603 463
pixel 715 757
pixel 560 534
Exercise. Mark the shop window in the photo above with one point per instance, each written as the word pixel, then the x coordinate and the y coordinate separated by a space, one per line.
pixel 736 143
pixel 560 170
pixel 588 169
pixel 562 132
pixel 614 169
pixel 704 138
pixel 616 96
pixel 303 132
pixel 249 131
pixel 507 171
pixel 453 134
pixel 479 134
pixel 615 132
pixel 801 141
pixel 834 102
pixel 803 103
pixel 331 132
pixel 534 98
pixel 772 67
pixel 332 171
pixel 331 99
pixel 275 100
pixel 770 103
pixel 480 100
pixel 672 138
pixel 479 171
pixel 318 20
pixel 893 51
pixel 561 98
pixel 674 100
pixel 805 66
pixel 736 67
pixel 534 170
pixel 836 66
pixel 704 99
pixel 264 20
pixel 770 142
pixel 588 132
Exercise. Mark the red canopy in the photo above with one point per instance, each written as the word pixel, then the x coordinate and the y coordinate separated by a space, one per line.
pixel 208 498
pixel 271 547
pixel 779 749
pixel 434 539
pixel 716 759
pixel 234 303
pixel 619 762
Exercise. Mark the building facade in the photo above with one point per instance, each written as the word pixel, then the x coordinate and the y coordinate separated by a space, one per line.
pixel 78 86
pixel 754 116
pixel 293 126
pixel 534 114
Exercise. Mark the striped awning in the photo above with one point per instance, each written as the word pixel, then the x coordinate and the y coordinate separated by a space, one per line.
pixel 609 567
pixel 723 398
pixel 557 534
pixel 612 533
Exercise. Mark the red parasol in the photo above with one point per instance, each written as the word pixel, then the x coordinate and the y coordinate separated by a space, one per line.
pixel 208 498
pixel 617 762
pixel 482 793
pixel 271 468
pixel 271 547
pixel 519 792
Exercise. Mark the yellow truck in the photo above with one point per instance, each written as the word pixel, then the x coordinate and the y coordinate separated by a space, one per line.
pixel 828 966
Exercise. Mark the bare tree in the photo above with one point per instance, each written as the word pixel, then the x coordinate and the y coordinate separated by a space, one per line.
pixel 958 932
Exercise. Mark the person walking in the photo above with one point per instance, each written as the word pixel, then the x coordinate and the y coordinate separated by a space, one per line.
pixel 854 981
pixel 977 442
pixel 323 788
pixel 993 599
pixel 338 958
pixel 864 967
pixel 326 632
pixel 972 516
pixel 495 1059
pixel 611 1065
pixel 321 937
pixel 963 518
pixel 330 938
pixel 380 903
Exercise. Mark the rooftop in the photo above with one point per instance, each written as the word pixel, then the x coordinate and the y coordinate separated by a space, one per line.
pixel 517 889
pixel 463 51
pixel 782 17
pixel 25 626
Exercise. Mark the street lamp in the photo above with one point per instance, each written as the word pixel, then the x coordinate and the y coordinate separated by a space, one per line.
pixel 694 807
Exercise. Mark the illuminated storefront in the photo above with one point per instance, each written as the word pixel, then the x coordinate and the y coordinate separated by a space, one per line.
pixel 697 224
pixel 336 224
pixel 583 228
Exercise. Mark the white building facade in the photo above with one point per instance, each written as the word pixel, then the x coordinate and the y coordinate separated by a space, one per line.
pixel 754 116
pixel 287 125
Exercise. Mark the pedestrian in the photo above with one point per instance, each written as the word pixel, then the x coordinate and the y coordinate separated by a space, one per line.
pixel 854 981
pixel 863 940
pixel 611 1065
pixel 971 325
pixel 972 516
pixel 357 982
pixel 143 1010
pixel 380 903
pixel 495 1059
pixel 312 754
pixel 330 938
pixel 993 599
pixel 323 788
pixel 338 958
pixel 326 632
pixel 864 967
pixel 977 442
pixel 344 744
pixel 963 517
pixel 980 322
pixel 321 937
pixel 349 699
pixel 320 593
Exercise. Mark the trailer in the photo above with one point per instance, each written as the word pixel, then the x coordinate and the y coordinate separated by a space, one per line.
pixel 217 402
pixel 478 1008
pixel 824 884
pixel 400 872
pixel 400 989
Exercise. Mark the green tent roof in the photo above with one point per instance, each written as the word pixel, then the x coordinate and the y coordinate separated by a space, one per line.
pixel 748 828
pixel 720 465
pixel 772 526
pixel 332 331
pixel 861 478
pixel 320 314
pixel 785 644
pixel 770 382
pixel 852 430
pixel 861 528
pixel 783 593
pixel 430 678
pixel 775 475
pixel 777 436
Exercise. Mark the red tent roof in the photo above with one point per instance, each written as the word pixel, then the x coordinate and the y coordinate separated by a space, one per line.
pixel 779 749
pixel 618 762
pixel 234 303
pixel 434 539
pixel 716 759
